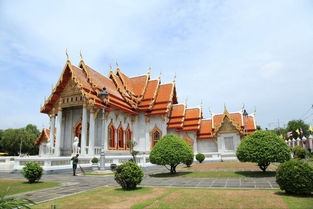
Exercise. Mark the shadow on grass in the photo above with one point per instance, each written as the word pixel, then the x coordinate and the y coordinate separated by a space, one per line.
pixel 136 190
pixel 281 193
pixel 160 175
pixel 256 174
pixel 37 182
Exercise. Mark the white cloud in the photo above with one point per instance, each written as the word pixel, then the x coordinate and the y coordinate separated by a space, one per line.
pixel 222 51
pixel 272 69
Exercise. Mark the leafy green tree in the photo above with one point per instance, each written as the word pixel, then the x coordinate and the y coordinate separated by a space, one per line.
pixel 1 133
pixel 295 125
pixel 171 150
pixel 263 148
pixel 11 140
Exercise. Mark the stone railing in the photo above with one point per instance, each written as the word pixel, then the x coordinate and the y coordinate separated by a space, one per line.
pixel 306 143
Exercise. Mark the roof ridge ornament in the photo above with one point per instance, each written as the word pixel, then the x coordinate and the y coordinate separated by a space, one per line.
pixel 67 57
pixel 225 109
pixel 149 71
pixel 81 55
pixel 186 101
pixel 117 66
pixel 174 79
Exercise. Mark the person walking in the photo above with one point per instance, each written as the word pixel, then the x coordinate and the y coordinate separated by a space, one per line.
pixel 75 162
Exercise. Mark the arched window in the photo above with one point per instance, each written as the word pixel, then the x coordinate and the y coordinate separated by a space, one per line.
pixel 128 137
pixel 111 136
pixel 120 137
pixel 156 135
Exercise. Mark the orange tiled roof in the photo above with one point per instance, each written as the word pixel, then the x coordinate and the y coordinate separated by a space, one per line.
pixel 182 119
pixel 149 95
pixel 44 136
pixel 205 130
pixel 165 97
pixel 176 117
pixel 128 94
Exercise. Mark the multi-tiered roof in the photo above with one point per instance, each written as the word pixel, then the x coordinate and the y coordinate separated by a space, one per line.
pixel 142 94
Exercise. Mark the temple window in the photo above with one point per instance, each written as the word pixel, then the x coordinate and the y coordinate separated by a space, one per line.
pixel 156 135
pixel 128 137
pixel 120 137
pixel 111 136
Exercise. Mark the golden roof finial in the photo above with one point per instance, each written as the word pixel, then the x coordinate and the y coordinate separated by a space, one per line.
pixel 201 105
pixel 174 79
pixel 160 75
pixel 111 69
pixel 225 109
pixel 81 55
pixel 186 100
pixel 67 57
pixel 149 71
pixel 117 66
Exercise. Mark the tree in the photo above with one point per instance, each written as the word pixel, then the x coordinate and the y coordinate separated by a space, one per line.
pixel 295 126
pixel 12 138
pixel 171 150
pixel 1 133
pixel 263 147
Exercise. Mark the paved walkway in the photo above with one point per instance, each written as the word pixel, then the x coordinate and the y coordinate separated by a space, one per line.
pixel 72 185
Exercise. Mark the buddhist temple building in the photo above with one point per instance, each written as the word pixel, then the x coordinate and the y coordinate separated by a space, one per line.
pixel 107 112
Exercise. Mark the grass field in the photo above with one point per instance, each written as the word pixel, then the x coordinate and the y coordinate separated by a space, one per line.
pixel 19 186
pixel 217 174
pixel 148 197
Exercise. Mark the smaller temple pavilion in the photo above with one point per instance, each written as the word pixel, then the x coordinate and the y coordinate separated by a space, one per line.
pixel 98 112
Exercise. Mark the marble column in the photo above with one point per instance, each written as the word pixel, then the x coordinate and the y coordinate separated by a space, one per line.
pixel 51 137
pixel 293 142
pixel 104 131
pixel 84 132
pixel 195 146
pixel 59 134
pixel 91 150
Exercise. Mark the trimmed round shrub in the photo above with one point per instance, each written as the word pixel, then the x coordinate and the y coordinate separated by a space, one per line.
pixel 32 172
pixel 295 177
pixel 94 160
pixel 171 150
pixel 299 152
pixel 188 162
pixel 263 148
pixel 200 157
pixel 128 175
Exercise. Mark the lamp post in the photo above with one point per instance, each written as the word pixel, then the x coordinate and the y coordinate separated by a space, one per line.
pixel 103 95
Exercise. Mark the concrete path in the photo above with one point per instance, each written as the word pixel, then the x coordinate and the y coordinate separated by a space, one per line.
pixel 76 184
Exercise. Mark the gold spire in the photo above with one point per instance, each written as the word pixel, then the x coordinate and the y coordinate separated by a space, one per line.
pixel 67 57
pixel 186 100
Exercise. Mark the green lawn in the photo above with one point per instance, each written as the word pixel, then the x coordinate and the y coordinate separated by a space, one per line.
pixel 149 197
pixel 217 174
pixel 19 186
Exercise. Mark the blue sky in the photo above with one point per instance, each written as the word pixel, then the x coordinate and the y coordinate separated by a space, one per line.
pixel 257 53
